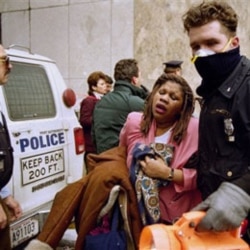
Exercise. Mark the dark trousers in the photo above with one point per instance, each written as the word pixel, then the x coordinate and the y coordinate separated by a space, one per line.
pixel 5 233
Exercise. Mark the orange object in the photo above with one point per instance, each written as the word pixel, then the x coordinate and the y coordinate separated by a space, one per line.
pixel 183 236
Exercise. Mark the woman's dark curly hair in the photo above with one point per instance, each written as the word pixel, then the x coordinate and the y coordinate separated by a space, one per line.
pixel 180 128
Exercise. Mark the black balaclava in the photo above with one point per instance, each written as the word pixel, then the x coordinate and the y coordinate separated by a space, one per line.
pixel 215 69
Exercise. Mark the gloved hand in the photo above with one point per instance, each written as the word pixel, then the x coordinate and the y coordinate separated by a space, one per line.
pixel 225 209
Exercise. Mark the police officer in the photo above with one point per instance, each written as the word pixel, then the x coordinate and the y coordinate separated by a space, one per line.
pixel 224 130
pixel 10 209
pixel 173 66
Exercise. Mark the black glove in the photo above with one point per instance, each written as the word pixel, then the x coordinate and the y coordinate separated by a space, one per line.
pixel 225 209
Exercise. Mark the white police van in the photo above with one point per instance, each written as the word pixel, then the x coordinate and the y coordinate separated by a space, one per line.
pixel 45 134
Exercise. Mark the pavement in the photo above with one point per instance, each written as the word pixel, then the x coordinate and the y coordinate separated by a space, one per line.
pixel 68 240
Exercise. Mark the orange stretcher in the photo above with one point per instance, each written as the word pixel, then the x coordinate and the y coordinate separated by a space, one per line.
pixel 183 236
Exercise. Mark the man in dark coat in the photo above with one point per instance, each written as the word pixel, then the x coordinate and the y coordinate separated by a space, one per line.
pixel 111 111
pixel 224 130
pixel 10 209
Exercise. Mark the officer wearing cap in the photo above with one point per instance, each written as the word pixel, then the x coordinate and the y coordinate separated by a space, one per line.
pixel 173 66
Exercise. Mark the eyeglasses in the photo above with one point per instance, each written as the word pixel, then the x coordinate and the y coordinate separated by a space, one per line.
pixel 5 60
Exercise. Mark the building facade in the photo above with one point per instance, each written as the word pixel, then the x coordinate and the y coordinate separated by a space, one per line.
pixel 83 36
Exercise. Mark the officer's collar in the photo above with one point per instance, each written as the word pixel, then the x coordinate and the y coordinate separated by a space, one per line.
pixel 233 82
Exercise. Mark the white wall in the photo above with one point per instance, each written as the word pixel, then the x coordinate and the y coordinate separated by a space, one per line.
pixel 81 36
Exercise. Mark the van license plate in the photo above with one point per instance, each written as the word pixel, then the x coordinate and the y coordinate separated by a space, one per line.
pixel 23 231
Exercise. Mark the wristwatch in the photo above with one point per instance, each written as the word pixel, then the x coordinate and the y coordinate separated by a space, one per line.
pixel 171 175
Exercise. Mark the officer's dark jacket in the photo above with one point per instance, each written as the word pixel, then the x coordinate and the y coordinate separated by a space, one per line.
pixel 111 111
pixel 6 154
pixel 224 148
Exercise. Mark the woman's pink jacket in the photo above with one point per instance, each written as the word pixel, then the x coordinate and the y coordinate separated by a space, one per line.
pixel 174 199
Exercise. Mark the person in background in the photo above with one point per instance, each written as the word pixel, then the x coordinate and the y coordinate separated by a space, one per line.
pixel 97 87
pixel 10 209
pixel 173 66
pixel 109 83
pixel 224 132
pixel 167 120
pixel 111 111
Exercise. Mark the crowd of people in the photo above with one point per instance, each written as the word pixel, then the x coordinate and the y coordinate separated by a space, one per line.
pixel 174 161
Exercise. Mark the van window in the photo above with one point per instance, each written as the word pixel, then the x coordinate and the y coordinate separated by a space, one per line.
pixel 28 93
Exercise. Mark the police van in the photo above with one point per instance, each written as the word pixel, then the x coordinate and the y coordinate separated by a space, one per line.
pixel 45 134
